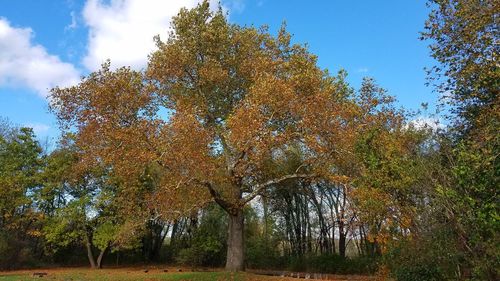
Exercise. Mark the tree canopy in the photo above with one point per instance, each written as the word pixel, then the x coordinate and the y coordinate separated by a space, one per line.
pixel 233 146
pixel 216 104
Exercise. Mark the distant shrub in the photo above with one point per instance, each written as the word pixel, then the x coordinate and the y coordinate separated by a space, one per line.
pixel 326 263
pixel 207 246
pixel 15 253
pixel 208 251
pixel 262 254
pixel 363 264
pixel 418 272
pixel 333 263
pixel 420 260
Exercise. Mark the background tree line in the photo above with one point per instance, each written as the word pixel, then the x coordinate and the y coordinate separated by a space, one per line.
pixel 233 147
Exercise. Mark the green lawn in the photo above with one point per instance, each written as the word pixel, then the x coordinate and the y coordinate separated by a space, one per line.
pixel 118 275
pixel 153 274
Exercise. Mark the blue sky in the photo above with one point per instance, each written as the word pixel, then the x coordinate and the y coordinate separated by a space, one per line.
pixel 49 43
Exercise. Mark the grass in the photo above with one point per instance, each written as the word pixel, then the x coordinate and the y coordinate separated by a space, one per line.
pixel 127 274
pixel 136 274
pixel 81 274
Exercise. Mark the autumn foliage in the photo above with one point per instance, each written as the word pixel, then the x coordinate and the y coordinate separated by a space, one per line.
pixel 233 126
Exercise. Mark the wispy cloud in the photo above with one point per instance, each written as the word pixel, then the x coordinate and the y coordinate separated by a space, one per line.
pixel 362 70
pixel 73 23
pixel 25 64
pixel 38 128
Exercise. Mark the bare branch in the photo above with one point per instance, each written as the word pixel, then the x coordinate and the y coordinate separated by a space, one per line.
pixel 260 187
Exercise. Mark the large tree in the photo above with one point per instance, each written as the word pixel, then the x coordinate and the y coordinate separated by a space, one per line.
pixel 217 104
pixel 21 160
pixel 80 206
pixel 464 38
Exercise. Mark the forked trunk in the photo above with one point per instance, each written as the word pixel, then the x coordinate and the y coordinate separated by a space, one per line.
pixel 100 257
pixel 90 254
pixel 235 246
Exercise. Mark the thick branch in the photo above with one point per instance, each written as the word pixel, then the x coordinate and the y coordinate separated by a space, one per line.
pixel 217 197
pixel 262 186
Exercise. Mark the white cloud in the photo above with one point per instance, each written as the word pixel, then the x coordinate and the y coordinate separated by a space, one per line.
pixel 38 128
pixel 426 123
pixel 123 30
pixel 25 64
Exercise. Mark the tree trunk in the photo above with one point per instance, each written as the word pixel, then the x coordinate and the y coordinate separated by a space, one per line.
pixel 235 246
pixel 342 239
pixel 341 223
pixel 100 257
pixel 90 254
pixel 266 235
pixel 173 235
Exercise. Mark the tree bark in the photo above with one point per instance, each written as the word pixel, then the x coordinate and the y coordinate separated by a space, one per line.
pixel 342 239
pixel 90 254
pixel 100 257
pixel 235 246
